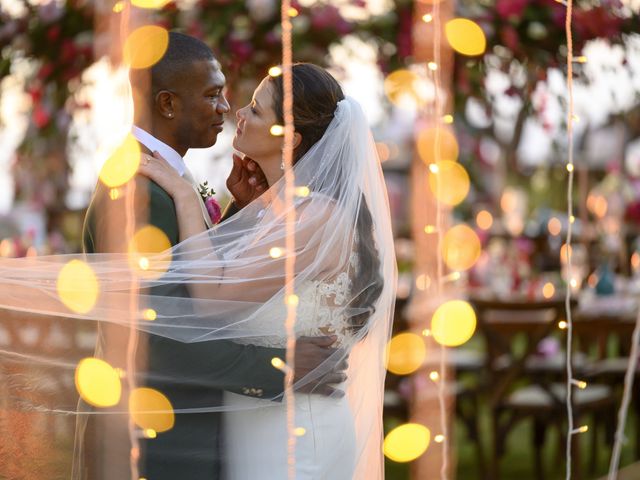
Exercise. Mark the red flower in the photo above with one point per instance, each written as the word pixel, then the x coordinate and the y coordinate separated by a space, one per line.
pixel 214 210
pixel 45 71
pixel 69 51
pixel 511 9
pixel 53 33
pixel 509 37
pixel 41 117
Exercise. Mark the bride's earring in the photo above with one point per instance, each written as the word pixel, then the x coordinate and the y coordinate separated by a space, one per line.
pixel 282 165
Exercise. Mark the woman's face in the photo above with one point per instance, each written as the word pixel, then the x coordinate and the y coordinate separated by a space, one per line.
pixel 253 136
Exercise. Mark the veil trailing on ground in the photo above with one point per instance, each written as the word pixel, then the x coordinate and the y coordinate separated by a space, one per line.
pixel 227 284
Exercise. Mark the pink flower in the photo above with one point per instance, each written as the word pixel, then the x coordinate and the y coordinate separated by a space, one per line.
pixel 214 210
pixel 508 9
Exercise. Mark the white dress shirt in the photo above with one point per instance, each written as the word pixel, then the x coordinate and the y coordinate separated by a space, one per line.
pixel 174 159
pixel 155 145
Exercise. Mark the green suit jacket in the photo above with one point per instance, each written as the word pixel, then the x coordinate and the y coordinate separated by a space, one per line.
pixel 191 375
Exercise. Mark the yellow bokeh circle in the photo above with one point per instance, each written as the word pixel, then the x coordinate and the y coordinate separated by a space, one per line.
pixel 453 323
pixel 145 46
pixel 149 253
pixel 122 165
pixel 149 3
pixel 461 248
pixel 453 182
pixel 484 220
pixel 97 382
pixel 150 409
pixel 447 145
pixel 77 286
pixel 405 353
pixel 465 36
pixel 406 442
pixel 401 86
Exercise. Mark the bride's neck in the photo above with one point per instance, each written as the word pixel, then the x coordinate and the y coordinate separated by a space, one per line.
pixel 271 169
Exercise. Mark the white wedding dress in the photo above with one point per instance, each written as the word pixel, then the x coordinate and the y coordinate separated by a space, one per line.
pixel 255 431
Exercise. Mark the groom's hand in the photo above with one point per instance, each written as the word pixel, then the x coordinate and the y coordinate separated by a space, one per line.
pixel 313 352
pixel 246 182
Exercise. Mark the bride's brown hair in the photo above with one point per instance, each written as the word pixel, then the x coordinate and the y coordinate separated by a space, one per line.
pixel 315 98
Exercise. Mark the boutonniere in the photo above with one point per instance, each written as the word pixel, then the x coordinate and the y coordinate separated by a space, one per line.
pixel 212 205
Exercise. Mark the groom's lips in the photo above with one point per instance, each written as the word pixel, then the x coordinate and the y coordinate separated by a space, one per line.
pixel 219 126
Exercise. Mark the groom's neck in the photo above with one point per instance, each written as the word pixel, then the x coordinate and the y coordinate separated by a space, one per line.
pixel 160 132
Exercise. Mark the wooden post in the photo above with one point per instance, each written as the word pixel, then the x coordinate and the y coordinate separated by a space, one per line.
pixel 426 407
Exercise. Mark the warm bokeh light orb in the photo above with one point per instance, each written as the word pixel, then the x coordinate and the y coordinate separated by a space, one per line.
pixel 465 37
pixel 122 165
pixel 453 182
pixel 77 286
pixel 554 226
pixel 150 409
pixel 97 382
pixel 461 248
pixel 402 86
pixel 277 130
pixel 406 442
pixel 447 148
pixel 453 323
pixel 405 353
pixel 597 205
pixel 145 46
pixel 149 3
pixel 149 252
pixel 484 220
pixel 566 253
pixel 548 290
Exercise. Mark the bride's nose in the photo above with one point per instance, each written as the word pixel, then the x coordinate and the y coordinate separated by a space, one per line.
pixel 240 113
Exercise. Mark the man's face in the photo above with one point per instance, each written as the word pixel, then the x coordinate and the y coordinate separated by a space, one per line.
pixel 201 106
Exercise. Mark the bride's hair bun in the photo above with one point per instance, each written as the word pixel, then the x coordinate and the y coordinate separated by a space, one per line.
pixel 315 98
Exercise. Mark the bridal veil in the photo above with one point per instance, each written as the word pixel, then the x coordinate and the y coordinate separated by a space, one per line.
pixel 235 276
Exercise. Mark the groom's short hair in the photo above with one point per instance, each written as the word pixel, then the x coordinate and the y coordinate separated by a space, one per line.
pixel 174 66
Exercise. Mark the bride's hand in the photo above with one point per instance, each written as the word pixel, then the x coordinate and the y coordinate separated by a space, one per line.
pixel 158 169
pixel 246 182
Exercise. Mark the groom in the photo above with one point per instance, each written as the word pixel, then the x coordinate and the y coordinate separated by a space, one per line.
pixel 180 104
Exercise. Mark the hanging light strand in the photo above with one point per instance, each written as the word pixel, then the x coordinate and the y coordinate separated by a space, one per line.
pixel 437 116
pixel 287 81
pixel 570 170
pixel 126 24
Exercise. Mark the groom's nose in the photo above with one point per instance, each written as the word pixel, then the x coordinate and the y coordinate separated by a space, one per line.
pixel 223 106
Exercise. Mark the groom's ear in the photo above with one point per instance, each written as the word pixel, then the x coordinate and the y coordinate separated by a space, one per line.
pixel 165 103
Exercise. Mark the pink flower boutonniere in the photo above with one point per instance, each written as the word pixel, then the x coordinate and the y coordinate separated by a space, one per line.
pixel 212 205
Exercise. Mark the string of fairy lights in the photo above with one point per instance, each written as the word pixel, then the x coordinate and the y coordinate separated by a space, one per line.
pixel 433 168
pixel 570 168
pixel 291 298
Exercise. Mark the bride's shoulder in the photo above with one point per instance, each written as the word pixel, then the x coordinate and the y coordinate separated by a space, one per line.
pixel 318 206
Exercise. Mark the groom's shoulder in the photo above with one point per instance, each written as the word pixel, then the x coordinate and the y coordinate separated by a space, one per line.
pixel 138 185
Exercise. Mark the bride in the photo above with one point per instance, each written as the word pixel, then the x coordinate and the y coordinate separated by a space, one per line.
pixel 344 278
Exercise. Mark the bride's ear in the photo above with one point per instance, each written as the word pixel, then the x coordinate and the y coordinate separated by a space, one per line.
pixel 165 103
pixel 297 140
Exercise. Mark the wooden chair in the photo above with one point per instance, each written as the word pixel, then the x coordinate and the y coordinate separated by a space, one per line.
pixel 522 386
